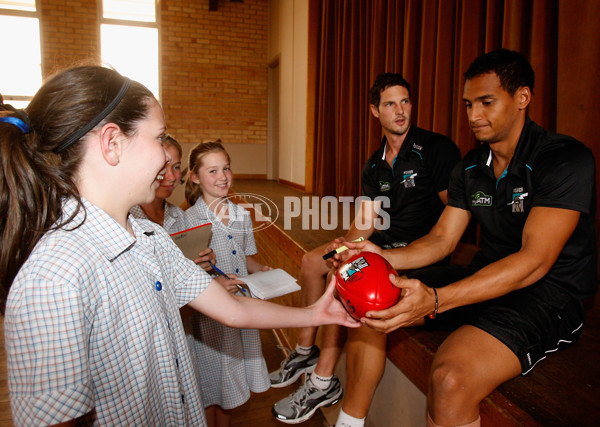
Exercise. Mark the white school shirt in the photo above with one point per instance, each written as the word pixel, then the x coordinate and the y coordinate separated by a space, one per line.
pixel 92 326
pixel 174 221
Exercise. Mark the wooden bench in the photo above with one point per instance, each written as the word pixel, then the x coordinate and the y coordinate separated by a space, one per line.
pixel 562 390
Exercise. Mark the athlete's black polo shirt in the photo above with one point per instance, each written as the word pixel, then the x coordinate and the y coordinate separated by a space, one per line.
pixel 420 171
pixel 549 170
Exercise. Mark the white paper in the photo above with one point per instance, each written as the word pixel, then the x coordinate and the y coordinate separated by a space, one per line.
pixel 270 284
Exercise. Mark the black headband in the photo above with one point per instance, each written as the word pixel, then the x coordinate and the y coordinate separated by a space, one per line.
pixel 92 124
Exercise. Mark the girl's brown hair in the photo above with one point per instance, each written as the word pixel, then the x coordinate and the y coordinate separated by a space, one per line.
pixel 169 141
pixel 34 179
pixel 192 190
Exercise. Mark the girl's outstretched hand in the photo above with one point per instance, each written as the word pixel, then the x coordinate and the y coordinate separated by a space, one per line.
pixel 328 310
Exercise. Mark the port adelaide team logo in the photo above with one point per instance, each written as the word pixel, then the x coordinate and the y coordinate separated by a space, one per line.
pixel 353 270
pixel 518 199
pixel 408 179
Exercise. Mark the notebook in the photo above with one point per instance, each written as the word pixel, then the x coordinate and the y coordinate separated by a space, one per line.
pixel 270 284
pixel 193 240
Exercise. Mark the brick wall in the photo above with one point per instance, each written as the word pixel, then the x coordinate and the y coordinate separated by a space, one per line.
pixel 214 66
pixel 214 63
pixel 69 32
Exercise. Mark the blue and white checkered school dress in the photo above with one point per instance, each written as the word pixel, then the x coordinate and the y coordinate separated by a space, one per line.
pixel 230 360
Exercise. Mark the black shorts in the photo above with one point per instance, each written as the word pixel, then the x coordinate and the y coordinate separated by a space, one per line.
pixel 531 322
pixel 384 241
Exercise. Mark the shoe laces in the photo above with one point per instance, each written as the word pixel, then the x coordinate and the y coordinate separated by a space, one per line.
pixel 291 354
pixel 300 395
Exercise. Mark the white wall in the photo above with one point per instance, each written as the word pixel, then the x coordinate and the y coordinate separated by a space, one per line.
pixel 396 402
pixel 288 41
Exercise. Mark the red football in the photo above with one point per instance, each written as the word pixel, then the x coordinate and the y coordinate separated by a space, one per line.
pixel 363 284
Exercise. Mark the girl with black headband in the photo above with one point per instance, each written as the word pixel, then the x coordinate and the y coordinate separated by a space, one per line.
pixel 92 327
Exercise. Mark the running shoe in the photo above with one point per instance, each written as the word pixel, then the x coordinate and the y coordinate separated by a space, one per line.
pixel 293 367
pixel 303 403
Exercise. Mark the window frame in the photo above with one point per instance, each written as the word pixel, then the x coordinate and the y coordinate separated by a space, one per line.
pixel 27 14
pixel 128 23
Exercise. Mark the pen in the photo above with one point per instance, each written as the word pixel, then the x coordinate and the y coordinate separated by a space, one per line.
pixel 340 249
pixel 218 270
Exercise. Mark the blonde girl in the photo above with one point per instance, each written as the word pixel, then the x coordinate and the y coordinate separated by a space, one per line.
pixel 231 360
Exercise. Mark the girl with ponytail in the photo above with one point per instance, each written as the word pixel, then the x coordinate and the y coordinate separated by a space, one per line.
pixel 91 296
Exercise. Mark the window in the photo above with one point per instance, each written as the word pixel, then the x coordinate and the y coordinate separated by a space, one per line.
pixel 26 5
pixel 129 39
pixel 21 66
pixel 130 10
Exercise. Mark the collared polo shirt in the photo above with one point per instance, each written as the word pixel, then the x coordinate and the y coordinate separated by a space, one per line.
pixel 549 170
pixel 92 326
pixel 420 171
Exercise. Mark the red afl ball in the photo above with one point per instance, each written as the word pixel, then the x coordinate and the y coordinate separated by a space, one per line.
pixel 363 284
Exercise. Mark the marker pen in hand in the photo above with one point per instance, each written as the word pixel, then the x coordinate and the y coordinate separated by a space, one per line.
pixel 340 249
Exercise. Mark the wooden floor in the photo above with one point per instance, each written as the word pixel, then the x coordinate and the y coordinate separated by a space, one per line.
pixel 257 411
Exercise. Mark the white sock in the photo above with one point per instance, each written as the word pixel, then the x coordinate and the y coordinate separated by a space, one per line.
pixel 303 350
pixel 345 420
pixel 320 382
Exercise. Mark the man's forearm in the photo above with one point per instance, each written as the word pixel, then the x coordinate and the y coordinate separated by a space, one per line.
pixel 440 242
pixel 514 272
pixel 537 255
pixel 364 222
pixel 423 252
